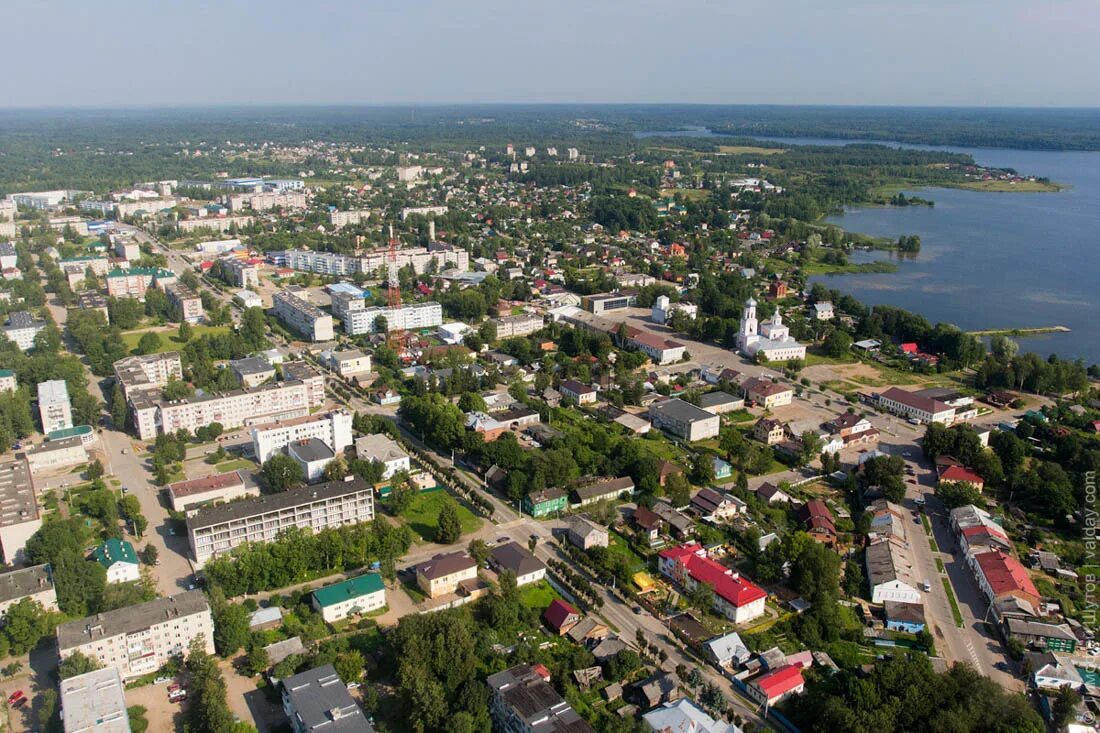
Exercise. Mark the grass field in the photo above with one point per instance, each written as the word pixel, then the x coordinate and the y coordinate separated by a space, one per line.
pixel 168 340
pixel 749 150
pixel 1010 187
pixel 238 464
pixel 619 546
pixel 423 514
pixel 537 595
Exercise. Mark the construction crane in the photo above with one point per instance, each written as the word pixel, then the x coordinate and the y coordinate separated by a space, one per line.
pixel 393 293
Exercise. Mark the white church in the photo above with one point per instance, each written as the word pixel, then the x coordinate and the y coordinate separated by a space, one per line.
pixel 770 338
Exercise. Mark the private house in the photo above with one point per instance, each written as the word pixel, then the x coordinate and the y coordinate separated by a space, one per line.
pixel 606 490
pixel 769 431
pixel 517 560
pixel 736 598
pixel 380 447
pixel 853 429
pixel 723 469
pixel 588 630
pixel 772 494
pixel 649 525
pixel 585 534
pixel 727 651
pixel 818 520
pixel 657 689
pixel 766 393
pixel 776 685
pixel 544 502
pixel 560 616
pixel 119 559
pixel 577 393
pixel 1051 671
pixel 359 595
pixel 684 716
pixel 890 573
pixel 902 616
pixel 680 525
pixel 716 506
pixel 444 573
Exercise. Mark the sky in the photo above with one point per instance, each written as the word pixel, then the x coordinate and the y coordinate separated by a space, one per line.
pixel 881 52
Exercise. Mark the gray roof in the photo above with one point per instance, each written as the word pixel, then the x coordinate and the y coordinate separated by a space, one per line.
pixel 714 399
pixel 378 447
pixel 24 582
pixel 135 618
pixel 321 702
pixel 280 650
pixel 534 701
pixel 516 559
pixel 679 410
pixel 606 487
pixel 251 365
pixel 17 501
pixel 212 515
pixel 1033 628
pixel 310 450
pixel 95 702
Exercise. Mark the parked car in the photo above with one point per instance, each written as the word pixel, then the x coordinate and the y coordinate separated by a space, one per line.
pixel 927 587
pixel 15 696
pixel 161 680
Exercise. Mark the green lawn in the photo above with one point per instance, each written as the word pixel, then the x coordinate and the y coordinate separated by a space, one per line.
pixel 954 604
pixel 423 514
pixel 168 339
pixel 620 546
pixel 537 595
pixel 239 464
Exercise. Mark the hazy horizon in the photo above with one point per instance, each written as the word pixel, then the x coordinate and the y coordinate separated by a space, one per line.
pixel 117 54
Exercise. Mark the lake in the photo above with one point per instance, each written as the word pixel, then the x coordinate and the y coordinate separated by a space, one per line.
pixel 992 260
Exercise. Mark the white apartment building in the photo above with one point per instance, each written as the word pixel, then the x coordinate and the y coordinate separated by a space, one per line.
pixel 422 211
pixel 133 283
pixel 268 200
pixel 215 224
pixel 412 317
pixel 127 249
pixel 124 209
pixel 278 401
pixel 340 219
pixel 147 373
pixel 305 318
pixel 334 429
pixel 34 583
pixel 187 300
pixel 19 518
pixel 218 529
pixel 241 273
pixel 9 255
pixel 523 324
pixel 372 261
pixel 347 363
pixel 139 639
pixel 22 328
pixel 217 246
pixel 53 405
pixel 40 199
pixel 8 382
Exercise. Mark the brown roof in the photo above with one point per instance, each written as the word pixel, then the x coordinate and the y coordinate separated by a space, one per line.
pixel 202 485
pixel 441 566
pixel 646 519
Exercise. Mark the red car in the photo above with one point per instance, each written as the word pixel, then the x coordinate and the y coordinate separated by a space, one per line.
pixel 17 695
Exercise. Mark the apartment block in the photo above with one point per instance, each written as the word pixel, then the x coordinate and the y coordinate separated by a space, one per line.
pixel 422 259
pixel 268 200
pixel 8 382
pixel 139 639
pixel 340 219
pixel 241 273
pixel 19 518
pixel 147 373
pixel 684 420
pixel 98 265
pixel 220 224
pixel 22 328
pixel 404 318
pixel 133 283
pixel 216 530
pixel 305 318
pixel 34 583
pixel 125 209
pixel 186 300
pixel 334 429
pixel 522 324
pixel 54 408
pixel 281 400
pixel 524 701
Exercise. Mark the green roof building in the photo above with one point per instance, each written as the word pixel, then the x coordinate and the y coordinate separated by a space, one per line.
pixel 545 502
pixel 119 559
pixel 359 595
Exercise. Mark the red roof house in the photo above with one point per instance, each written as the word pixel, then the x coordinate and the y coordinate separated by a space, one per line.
pixel 560 616
pixel 771 687
pixel 962 475
pixel 1000 575
pixel 737 598
pixel 909 348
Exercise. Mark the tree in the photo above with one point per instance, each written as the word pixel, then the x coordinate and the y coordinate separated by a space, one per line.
pixel 149 554
pixel 478 550
pixel 256 661
pixel 76 664
pixel 119 409
pixel 230 625
pixel 336 469
pixel 149 343
pixel 94 470
pixel 954 494
pixel 701 596
pixel 471 402
pixel 402 492
pixel 184 332
pixel 253 328
pixel 1064 707
pixel 449 527
pixel 138 722
pixel 281 472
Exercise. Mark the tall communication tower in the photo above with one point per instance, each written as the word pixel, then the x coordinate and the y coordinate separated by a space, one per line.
pixel 393 293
